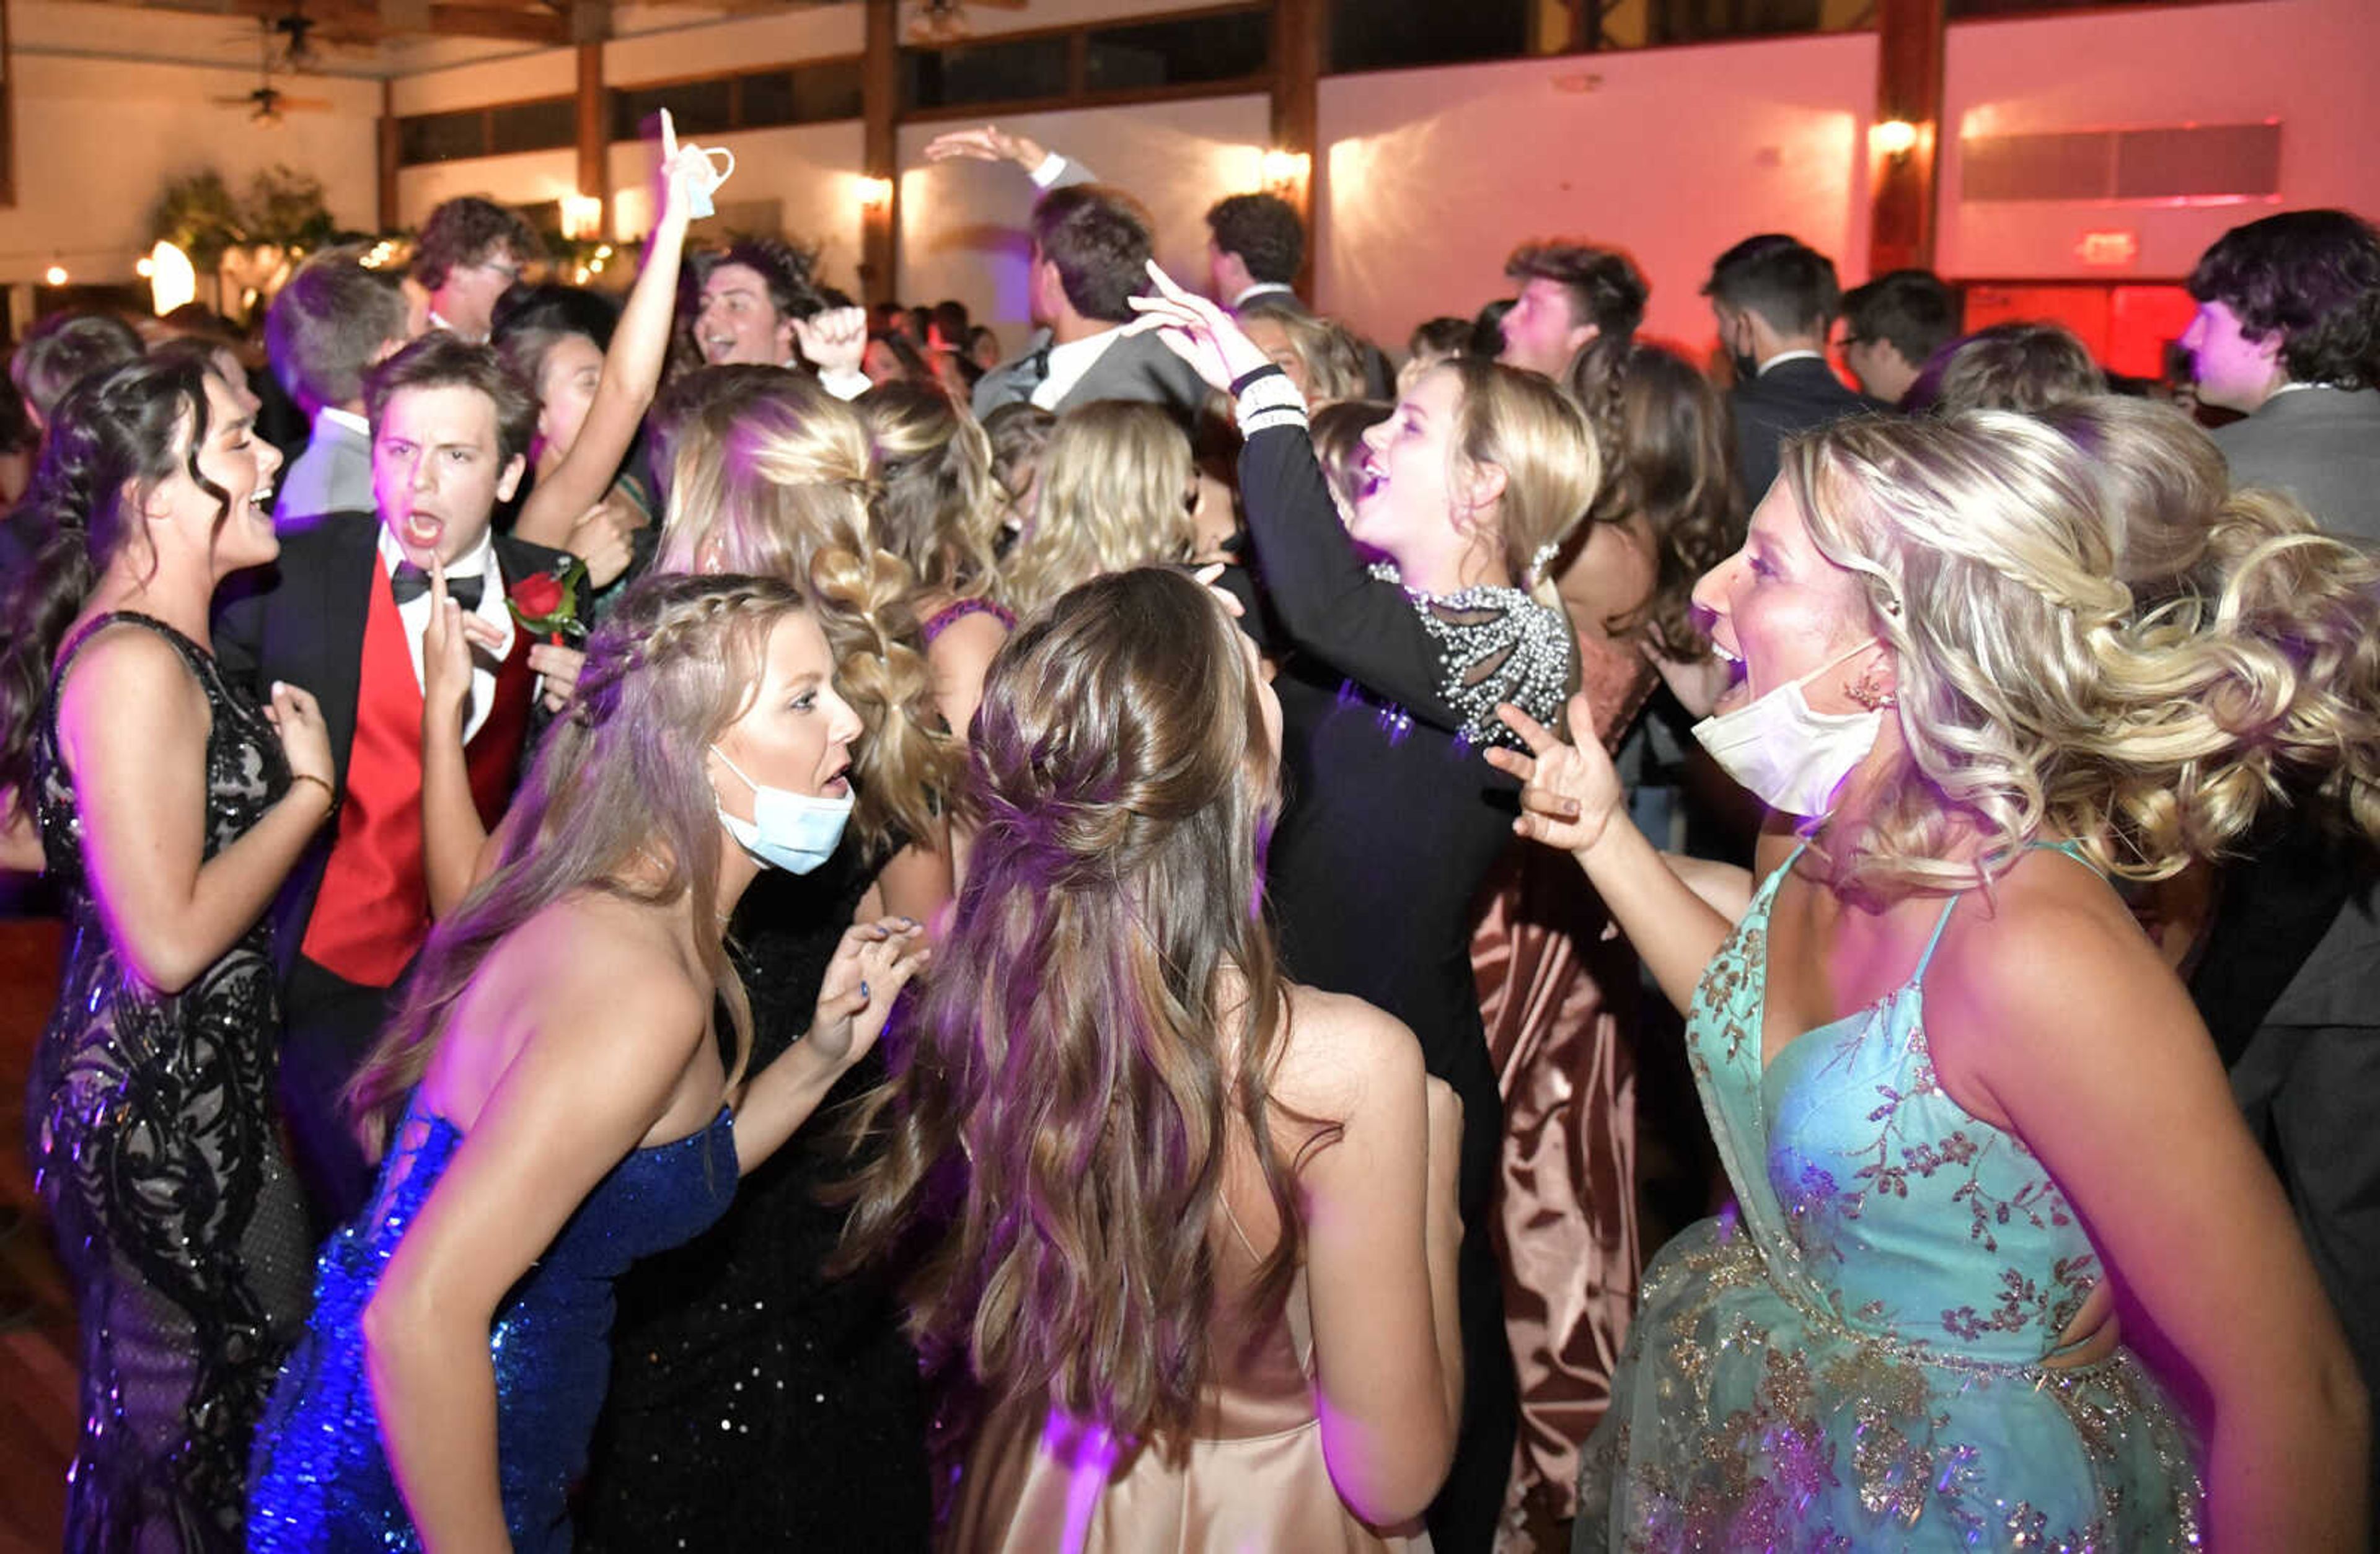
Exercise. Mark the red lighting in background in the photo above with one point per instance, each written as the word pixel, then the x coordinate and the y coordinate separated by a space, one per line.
pixel 2113 248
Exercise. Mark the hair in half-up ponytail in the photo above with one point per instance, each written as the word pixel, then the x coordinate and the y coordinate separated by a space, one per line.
pixel 112 438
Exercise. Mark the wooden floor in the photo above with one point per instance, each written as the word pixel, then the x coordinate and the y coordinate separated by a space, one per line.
pixel 37 1322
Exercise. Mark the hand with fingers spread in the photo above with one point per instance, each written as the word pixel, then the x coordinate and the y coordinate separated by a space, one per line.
pixel 1198 330
pixel 1570 791
pixel 833 340
pixel 871 965
pixel 987 143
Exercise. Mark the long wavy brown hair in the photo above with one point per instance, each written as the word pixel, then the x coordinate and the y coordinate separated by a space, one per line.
pixel 774 477
pixel 1105 1017
pixel 619 802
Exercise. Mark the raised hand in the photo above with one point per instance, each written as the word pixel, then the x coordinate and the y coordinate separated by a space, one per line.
pixel 1198 330
pixel 447 639
pixel 986 143
pixel 834 340
pixel 1570 791
pixel 871 965
pixel 600 539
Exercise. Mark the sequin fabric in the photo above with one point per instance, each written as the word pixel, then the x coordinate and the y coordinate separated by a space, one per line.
pixel 1495 645
pixel 149 1116
pixel 321 1481
pixel 1850 1360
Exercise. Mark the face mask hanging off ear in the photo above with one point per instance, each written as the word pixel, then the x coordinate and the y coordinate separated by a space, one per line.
pixel 1790 757
pixel 793 832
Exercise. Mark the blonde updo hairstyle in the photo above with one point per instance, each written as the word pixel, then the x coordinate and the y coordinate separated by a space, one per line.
pixel 940 505
pixel 1114 494
pixel 775 478
pixel 2033 697
pixel 1541 440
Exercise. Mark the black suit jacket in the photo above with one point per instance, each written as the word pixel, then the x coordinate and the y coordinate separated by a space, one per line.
pixel 301 621
pixel 1790 396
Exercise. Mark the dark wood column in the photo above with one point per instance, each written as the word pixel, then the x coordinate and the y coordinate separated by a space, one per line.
pixel 388 151
pixel 880 219
pixel 1298 38
pixel 590 23
pixel 1908 89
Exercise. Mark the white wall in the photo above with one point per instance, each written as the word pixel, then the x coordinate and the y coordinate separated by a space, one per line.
pixel 963 223
pixel 2310 63
pixel 1430 177
pixel 98 136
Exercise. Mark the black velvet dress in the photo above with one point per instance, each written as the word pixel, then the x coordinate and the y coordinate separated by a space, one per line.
pixel 1392 821
pixel 151 1121
pixel 755 1402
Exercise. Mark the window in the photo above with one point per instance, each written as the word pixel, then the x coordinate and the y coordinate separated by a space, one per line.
pixel 1387 34
pixel 704 107
pixel 1234 45
pixel 424 138
pixel 533 126
pixel 1013 71
pixel 805 94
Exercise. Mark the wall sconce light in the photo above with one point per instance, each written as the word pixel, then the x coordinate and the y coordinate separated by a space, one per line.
pixel 55 275
pixel 173 280
pixel 876 194
pixel 582 216
pixel 1282 170
pixel 1894 137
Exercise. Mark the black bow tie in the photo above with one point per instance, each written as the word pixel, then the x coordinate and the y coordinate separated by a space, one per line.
pixel 409 583
pixel 1037 369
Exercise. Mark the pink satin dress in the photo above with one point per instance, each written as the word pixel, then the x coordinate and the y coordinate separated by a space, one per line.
pixel 1556 989
pixel 1252 1476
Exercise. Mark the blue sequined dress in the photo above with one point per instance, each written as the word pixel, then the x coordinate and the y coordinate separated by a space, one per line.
pixel 1851 1360
pixel 320 1481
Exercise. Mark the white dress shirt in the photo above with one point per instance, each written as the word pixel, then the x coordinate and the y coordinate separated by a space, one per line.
pixel 479 561
pixel 1069 362
pixel 1782 357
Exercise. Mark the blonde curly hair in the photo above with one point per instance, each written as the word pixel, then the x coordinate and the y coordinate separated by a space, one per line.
pixel 775 479
pixel 2034 696
pixel 1115 494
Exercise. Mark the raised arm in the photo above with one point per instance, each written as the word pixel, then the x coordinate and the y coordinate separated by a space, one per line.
pixel 452 834
pixel 133 723
pixel 2060 1014
pixel 1378 1208
pixel 598 1071
pixel 1321 591
pixel 632 373
pixel 989 142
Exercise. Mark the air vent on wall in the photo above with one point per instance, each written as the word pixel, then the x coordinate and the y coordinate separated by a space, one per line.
pixel 2179 162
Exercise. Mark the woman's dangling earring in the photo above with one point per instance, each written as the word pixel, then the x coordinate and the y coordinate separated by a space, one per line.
pixel 1869 693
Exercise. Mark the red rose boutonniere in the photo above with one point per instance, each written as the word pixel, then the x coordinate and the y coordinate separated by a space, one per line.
pixel 547 602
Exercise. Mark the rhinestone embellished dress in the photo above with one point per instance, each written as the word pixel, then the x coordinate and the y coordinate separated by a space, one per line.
pixel 321 1481
pixel 180 1224
pixel 1851 1360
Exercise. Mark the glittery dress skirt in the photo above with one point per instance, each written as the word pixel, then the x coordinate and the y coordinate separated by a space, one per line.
pixel 1853 1360
pixel 181 1227
pixel 320 1480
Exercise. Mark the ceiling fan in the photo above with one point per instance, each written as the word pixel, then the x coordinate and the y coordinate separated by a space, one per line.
pixel 268 102
pixel 944 22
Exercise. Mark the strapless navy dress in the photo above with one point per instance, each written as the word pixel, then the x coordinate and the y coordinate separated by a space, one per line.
pixel 318 1480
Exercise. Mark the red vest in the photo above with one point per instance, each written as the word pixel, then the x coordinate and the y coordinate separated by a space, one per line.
pixel 372 911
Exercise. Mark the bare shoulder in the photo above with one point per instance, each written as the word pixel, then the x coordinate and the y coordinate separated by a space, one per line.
pixel 2053 952
pixel 1340 1052
pixel 610 967
pixel 123 657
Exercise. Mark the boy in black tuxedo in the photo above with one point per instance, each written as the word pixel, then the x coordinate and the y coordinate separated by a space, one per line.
pixel 354 610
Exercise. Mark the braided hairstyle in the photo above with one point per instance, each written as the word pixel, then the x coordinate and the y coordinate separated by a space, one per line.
pixel 773 476
pixel 619 801
pixel 121 430
pixel 1106 1018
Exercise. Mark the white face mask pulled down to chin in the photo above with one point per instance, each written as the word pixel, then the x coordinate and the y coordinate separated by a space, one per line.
pixel 1787 755
pixel 791 830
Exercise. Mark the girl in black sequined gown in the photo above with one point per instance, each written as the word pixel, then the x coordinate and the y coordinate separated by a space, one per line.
pixel 169 810
pixel 755 1401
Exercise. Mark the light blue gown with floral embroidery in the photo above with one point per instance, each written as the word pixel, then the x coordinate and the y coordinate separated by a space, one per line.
pixel 1850 1360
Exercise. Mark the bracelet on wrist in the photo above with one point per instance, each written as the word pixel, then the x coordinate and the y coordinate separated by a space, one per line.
pixel 1256 374
pixel 330 793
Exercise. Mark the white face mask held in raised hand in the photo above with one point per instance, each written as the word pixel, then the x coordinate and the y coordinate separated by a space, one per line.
pixel 1791 758
pixel 789 830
